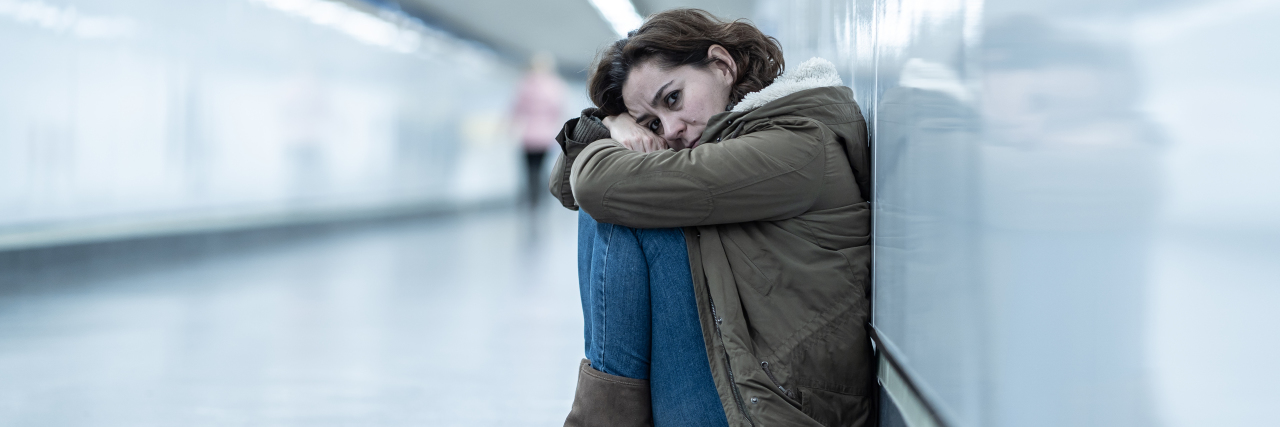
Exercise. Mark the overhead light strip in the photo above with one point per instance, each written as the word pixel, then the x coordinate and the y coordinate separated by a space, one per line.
pixel 67 20
pixel 620 14
pixel 359 25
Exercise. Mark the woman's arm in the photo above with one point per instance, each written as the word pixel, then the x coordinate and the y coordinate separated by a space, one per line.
pixel 773 173
pixel 573 138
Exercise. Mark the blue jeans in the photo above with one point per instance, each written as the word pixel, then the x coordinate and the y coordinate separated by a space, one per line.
pixel 642 320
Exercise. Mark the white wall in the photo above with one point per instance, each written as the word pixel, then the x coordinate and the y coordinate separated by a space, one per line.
pixel 1077 217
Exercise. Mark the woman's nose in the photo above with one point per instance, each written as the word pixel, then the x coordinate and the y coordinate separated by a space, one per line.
pixel 674 130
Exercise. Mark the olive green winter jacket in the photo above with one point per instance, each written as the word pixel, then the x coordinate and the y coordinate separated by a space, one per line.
pixel 773 205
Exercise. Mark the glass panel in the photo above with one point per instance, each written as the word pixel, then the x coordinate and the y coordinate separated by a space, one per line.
pixel 1075 202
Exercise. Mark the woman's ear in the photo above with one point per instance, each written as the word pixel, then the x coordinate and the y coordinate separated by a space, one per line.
pixel 723 63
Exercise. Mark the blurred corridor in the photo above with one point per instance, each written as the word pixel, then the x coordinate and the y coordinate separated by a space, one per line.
pixel 444 321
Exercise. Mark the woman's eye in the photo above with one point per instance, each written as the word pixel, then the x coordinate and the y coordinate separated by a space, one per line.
pixel 673 98
pixel 653 125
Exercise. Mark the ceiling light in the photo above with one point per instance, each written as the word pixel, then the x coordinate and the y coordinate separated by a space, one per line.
pixel 620 14
pixel 359 25
pixel 67 19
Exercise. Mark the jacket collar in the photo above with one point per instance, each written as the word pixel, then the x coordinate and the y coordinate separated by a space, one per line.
pixel 814 73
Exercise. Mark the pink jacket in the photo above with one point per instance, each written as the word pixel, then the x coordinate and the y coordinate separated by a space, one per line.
pixel 538 112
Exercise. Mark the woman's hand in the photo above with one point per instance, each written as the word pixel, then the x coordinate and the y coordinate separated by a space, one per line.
pixel 624 129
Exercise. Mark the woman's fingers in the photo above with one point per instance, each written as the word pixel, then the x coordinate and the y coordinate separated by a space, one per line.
pixel 649 143
pixel 624 129
pixel 645 143
pixel 633 144
pixel 656 144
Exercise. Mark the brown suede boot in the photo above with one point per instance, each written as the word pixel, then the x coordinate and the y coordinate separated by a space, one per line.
pixel 604 400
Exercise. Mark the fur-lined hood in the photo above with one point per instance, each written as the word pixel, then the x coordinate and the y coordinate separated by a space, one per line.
pixel 814 73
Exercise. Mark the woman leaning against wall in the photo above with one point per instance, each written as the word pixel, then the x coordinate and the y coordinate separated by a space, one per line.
pixel 724 233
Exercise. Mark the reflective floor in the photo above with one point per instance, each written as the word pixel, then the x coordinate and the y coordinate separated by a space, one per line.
pixel 469 319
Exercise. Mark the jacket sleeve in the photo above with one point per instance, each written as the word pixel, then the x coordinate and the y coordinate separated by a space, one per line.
pixel 573 138
pixel 773 172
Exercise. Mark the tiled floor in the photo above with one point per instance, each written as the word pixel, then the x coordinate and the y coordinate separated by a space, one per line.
pixel 465 320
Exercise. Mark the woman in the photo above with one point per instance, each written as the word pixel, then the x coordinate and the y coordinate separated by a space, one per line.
pixel 754 311
pixel 536 114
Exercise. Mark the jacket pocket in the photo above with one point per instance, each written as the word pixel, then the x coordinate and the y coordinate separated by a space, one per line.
pixel 755 267
pixel 836 409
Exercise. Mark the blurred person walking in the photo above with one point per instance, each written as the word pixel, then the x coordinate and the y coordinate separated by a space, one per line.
pixel 537 115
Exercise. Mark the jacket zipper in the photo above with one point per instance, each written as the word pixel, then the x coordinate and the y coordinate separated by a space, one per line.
pixel 765 365
pixel 733 384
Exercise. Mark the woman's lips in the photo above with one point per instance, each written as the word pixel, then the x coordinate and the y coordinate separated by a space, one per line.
pixel 696 137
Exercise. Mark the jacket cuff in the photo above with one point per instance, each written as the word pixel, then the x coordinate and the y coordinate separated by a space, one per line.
pixel 573 138
pixel 590 129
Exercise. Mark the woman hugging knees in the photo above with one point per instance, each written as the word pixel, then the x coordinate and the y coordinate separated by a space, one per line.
pixel 724 236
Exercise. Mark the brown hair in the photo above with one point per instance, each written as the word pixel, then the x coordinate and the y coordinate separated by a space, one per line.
pixel 682 37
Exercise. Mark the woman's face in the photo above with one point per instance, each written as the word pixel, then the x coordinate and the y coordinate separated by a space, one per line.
pixel 677 103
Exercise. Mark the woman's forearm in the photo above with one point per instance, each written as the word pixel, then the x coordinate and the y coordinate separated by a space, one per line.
pixel 771 174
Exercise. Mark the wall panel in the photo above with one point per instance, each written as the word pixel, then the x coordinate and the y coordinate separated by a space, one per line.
pixel 1072 208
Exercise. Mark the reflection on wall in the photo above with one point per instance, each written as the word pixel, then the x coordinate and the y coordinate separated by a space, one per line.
pixel 158 110
pixel 1061 188
pixel 1070 185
